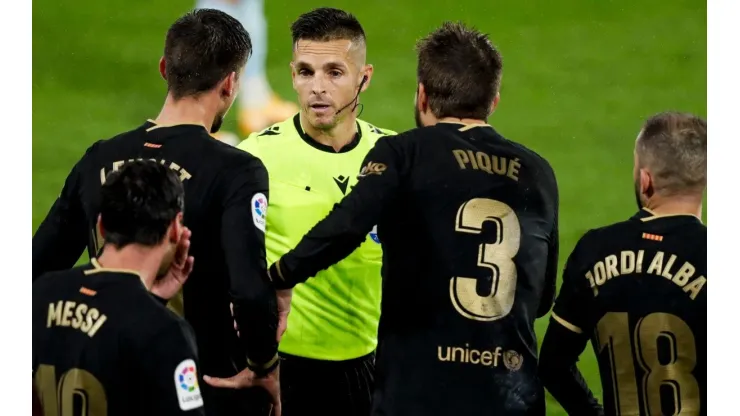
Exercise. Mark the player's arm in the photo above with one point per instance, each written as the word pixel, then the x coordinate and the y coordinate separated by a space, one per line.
pixel 347 225
pixel 243 238
pixel 565 340
pixel 169 373
pixel 553 251
pixel 63 235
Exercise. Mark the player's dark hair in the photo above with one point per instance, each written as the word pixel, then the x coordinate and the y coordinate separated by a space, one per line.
pixel 460 70
pixel 673 145
pixel 202 48
pixel 326 24
pixel 138 203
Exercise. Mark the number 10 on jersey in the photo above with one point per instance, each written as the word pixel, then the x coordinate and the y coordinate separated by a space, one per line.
pixel 496 256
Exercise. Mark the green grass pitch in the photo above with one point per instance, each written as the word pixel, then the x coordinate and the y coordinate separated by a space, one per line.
pixel 580 76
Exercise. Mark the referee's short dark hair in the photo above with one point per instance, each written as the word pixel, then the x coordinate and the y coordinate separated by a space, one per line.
pixel 460 70
pixel 326 24
pixel 138 203
pixel 202 48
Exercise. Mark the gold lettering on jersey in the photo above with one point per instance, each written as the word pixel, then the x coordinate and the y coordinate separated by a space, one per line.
pixel 182 172
pixel 664 265
pixel 467 355
pixel 76 316
pixel 492 164
pixel 492 357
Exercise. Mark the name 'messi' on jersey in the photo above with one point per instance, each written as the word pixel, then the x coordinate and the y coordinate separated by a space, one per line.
pixel 182 172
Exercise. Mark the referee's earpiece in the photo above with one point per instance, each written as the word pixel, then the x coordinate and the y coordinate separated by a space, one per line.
pixel 362 83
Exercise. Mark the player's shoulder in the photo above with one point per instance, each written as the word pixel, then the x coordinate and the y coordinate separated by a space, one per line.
pixel 373 131
pixel 102 147
pixel 55 279
pixel 273 135
pixel 150 319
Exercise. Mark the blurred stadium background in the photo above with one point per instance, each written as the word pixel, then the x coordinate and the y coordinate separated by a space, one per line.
pixel 580 76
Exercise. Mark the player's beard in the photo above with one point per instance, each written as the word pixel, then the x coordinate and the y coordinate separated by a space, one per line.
pixel 417 116
pixel 217 122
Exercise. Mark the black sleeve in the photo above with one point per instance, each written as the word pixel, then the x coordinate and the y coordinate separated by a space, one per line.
pixel 574 303
pixel 169 373
pixel 566 338
pixel 345 228
pixel 559 372
pixel 551 277
pixel 243 239
pixel 63 235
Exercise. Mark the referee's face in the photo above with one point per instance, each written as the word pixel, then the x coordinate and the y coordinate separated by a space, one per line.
pixel 326 76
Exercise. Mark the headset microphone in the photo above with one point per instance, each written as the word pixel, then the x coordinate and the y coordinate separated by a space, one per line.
pixel 354 100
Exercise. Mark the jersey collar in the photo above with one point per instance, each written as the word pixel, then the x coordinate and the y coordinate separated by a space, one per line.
pixel 325 148
pixel 646 214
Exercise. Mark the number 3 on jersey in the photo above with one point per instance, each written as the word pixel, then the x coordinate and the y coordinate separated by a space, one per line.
pixel 497 256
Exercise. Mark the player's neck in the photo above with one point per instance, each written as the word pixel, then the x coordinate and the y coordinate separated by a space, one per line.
pixel 466 121
pixel 187 110
pixel 143 260
pixel 337 137
pixel 675 205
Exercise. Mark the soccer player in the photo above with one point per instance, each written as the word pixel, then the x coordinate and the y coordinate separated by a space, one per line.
pixel 259 106
pixel 226 196
pixel 637 288
pixel 469 226
pixel 333 324
pixel 101 343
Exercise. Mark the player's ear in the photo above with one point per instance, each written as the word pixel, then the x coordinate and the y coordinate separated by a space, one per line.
pixel 230 85
pixel 163 68
pixel 367 75
pixel 494 104
pixel 647 187
pixel 176 228
pixel 422 101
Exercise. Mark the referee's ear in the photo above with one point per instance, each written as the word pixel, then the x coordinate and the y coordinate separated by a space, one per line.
pixel 163 68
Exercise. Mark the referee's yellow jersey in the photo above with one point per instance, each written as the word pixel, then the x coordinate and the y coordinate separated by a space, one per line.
pixel 335 315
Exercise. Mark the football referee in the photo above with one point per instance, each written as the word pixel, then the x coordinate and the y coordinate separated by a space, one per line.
pixel 204 53
pixel 313 158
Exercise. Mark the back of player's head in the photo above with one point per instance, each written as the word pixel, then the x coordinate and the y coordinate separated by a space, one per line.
pixel 202 48
pixel 460 70
pixel 673 147
pixel 139 202
pixel 326 24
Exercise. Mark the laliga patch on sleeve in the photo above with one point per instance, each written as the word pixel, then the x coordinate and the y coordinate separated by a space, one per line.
pixel 259 210
pixel 186 384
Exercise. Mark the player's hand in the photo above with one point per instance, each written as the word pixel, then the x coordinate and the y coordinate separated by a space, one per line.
pixel 247 379
pixel 283 302
pixel 167 286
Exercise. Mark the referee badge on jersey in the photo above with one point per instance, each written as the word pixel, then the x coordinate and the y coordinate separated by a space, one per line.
pixel 374 234
pixel 259 210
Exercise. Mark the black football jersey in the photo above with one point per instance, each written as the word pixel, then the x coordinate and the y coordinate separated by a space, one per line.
pixel 226 191
pixel 103 346
pixel 638 289
pixel 468 222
